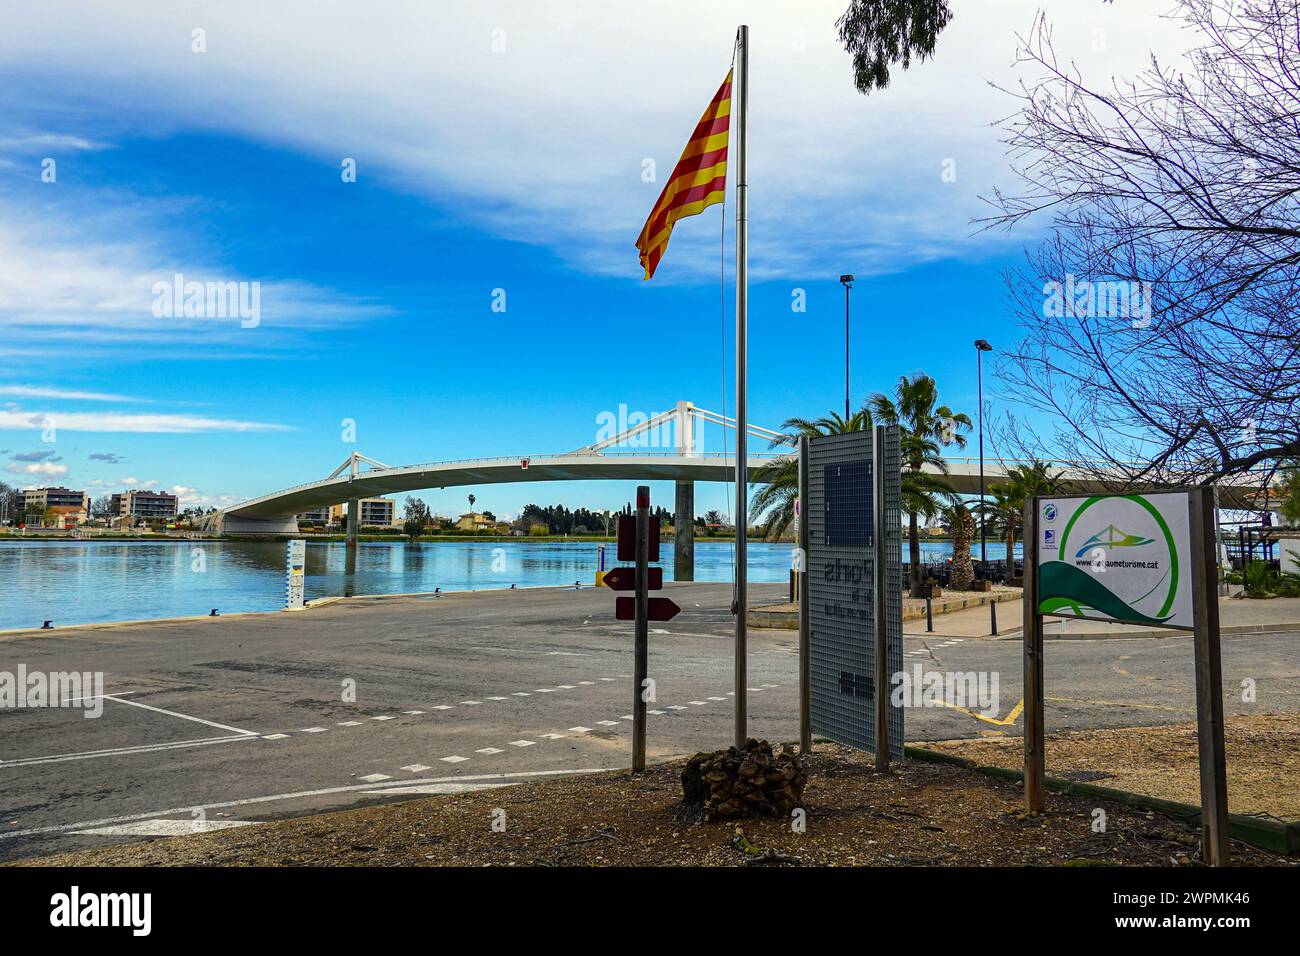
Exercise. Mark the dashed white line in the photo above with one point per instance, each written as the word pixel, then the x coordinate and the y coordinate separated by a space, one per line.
pixel 375 777
pixel 490 751
pixel 522 743
pixel 415 768
pixel 454 758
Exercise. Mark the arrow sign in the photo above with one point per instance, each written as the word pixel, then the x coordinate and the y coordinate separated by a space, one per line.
pixel 624 579
pixel 657 609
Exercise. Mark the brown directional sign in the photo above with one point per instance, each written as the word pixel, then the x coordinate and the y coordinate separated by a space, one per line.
pixel 627 538
pixel 657 609
pixel 624 579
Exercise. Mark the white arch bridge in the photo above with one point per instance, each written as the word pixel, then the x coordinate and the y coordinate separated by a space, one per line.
pixel 664 447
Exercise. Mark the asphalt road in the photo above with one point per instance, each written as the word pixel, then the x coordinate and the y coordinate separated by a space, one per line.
pixel 216 722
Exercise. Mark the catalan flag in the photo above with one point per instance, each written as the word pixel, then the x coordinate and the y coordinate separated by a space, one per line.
pixel 699 180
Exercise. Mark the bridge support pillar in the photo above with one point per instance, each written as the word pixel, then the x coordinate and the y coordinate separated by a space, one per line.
pixel 684 522
pixel 354 521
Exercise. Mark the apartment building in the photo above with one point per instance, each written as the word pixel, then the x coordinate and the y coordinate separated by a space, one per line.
pixel 144 505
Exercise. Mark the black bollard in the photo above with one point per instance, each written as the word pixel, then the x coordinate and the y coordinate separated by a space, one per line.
pixel 993 616
pixel 47 626
pixel 929 615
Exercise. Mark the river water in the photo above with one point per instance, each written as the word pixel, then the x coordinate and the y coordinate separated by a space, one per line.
pixel 81 582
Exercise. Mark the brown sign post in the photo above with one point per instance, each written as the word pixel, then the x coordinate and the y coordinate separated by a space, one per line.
pixel 638 540
pixel 1145 559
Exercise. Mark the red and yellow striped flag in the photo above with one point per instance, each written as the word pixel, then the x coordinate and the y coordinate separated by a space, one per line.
pixel 698 181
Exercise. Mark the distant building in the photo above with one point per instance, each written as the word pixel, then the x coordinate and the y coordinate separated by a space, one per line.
pixel 144 505
pixel 43 499
pixel 475 521
pixel 318 516
pixel 375 513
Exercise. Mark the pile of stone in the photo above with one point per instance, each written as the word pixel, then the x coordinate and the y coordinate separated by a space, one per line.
pixel 745 781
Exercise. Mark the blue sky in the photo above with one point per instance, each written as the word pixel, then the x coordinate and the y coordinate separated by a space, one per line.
pixel 498 146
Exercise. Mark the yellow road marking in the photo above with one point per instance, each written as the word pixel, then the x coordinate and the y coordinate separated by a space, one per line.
pixel 1009 719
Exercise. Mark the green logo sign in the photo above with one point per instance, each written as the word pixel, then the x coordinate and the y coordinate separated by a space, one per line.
pixel 1117 557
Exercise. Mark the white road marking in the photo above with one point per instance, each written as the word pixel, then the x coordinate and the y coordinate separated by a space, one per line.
pixel 280 797
pixel 313 730
pixel 627 717
pixel 172 713
pixel 607 723
pixel 521 693
pixel 349 723
pixel 129 751
pixel 607 679
pixel 385 717
pixel 165 828
pixel 565 686
pixel 442 706
pixel 497 698
pixel 546 690
pixel 717 698
pixel 676 707
pixel 472 703
pixel 415 768
pixel 698 703
pixel 586 683
pixel 579 730
pixel 490 751
pixel 660 712
pixel 522 743
pixel 275 737
pixel 413 713
pixel 376 777
pixel 553 736
pixel 454 758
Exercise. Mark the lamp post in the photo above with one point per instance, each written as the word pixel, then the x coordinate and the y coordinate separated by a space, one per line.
pixel 982 346
pixel 847 282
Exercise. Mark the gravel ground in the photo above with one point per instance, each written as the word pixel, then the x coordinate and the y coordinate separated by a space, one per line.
pixel 1263 753
pixel 920 815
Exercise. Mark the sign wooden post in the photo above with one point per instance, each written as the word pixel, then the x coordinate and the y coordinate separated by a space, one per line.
pixel 1035 770
pixel 1148 559
pixel 1209 679
pixel 641 630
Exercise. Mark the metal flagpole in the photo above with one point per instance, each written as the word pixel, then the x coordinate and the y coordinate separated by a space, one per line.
pixel 742 311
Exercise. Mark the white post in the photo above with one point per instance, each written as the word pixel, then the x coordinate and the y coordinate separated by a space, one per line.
pixel 742 315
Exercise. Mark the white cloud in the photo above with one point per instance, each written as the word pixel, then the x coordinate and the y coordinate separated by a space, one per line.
pixel 128 422
pixel 544 141
pixel 48 468
pixel 37 391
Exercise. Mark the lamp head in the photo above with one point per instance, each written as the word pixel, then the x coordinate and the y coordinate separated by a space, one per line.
pixel 983 345
pixel 847 281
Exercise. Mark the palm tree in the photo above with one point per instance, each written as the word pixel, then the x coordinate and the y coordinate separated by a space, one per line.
pixel 962 528
pixel 472 499
pixel 777 497
pixel 1006 510
pixel 925 427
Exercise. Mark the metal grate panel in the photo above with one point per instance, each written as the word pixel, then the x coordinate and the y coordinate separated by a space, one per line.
pixel 841 569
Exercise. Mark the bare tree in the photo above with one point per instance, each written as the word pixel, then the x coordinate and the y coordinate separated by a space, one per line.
pixel 1161 311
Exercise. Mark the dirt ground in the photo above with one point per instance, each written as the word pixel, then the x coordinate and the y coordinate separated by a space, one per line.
pixel 1263 753
pixel 921 814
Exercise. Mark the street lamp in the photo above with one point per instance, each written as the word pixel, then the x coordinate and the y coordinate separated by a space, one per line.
pixel 847 282
pixel 982 346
